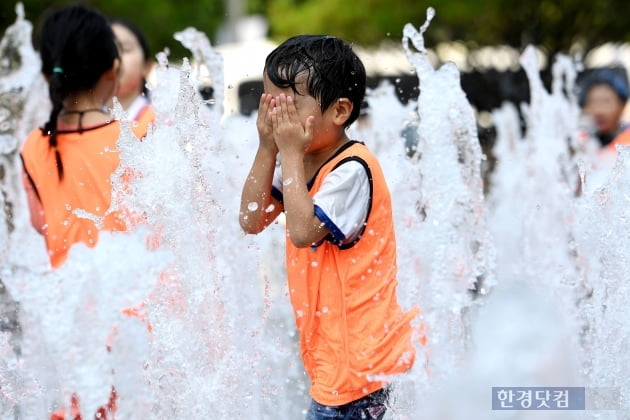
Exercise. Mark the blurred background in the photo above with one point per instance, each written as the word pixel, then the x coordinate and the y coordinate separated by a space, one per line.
pixel 484 38
pixel 570 26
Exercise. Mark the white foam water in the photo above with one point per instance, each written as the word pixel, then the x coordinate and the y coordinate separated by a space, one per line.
pixel 525 287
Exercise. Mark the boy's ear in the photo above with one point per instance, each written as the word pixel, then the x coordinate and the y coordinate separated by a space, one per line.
pixel 342 108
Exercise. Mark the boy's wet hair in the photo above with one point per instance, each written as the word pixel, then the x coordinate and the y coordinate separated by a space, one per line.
pixel 332 70
pixel 77 46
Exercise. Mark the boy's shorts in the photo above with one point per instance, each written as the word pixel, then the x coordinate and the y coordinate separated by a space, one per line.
pixel 370 407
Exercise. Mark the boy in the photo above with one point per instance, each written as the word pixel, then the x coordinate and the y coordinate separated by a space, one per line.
pixel 341 250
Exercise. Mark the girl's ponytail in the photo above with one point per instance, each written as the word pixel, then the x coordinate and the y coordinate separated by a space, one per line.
pixel 55 89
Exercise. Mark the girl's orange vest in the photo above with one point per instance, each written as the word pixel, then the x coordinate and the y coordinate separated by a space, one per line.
pixel 76 208
pixel 352 330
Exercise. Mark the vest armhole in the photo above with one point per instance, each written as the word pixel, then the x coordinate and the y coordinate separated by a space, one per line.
pixel 369 207
pixel 30 179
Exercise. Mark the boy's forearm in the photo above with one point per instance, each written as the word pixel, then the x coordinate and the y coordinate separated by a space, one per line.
pixel 256 195
pixel 304 227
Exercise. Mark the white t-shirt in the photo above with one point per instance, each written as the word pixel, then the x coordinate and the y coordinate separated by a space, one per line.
pixel 342 201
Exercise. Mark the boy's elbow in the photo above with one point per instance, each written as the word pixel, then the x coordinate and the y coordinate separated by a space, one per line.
pixel 249 227
pixel 299 242
pixel 303 244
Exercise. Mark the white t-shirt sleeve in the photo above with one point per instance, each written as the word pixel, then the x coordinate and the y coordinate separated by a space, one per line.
pixel 342 200
pixel 277 179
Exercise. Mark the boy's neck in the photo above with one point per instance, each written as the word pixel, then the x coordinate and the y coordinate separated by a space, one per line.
pixel 314 160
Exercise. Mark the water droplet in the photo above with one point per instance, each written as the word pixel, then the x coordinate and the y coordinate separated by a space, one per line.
pixel 270 208
pixel 314 264
pixel 325 309
pixel 253 206
pixel 287 181
pixel 299 313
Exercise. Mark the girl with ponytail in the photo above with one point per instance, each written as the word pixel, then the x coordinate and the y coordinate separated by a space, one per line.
pixel 68 162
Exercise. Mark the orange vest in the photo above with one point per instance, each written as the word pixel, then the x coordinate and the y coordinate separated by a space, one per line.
pixel 352 329
pixel 623 138
pixel 89 159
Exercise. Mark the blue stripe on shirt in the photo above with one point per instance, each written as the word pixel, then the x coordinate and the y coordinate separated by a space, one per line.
pixel 337 234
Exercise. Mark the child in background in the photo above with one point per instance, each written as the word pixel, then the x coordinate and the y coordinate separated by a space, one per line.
pixel 68 163
pixel 135 67
pixel 340 248
pixel 603 97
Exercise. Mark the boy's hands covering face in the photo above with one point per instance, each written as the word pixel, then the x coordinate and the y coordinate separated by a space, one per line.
pixel 264 123
pixel 288 132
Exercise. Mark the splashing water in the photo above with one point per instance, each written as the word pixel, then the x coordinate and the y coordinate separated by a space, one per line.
pixel 217 336
pixel 450 207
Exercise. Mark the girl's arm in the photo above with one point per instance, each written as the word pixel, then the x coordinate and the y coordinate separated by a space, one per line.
pixel 38 219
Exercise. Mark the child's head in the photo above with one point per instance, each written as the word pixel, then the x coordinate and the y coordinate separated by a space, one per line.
pixel 77 47
pixel 603 96
pixel 330 67
pixel 135 57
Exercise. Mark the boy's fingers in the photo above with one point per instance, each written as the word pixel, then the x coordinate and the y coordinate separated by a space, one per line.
pixel 283 107
pixel 264 103
pixel 263 109
pixel 268 107
pixel 273 114
pixel 291 109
